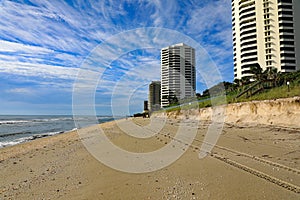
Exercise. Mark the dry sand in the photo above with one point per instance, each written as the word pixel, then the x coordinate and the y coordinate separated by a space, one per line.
pixel 249 162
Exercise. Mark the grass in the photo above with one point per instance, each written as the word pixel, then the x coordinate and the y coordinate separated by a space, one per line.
pixel 274 93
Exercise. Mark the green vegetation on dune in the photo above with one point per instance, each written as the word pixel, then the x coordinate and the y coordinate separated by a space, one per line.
pixel 274 93
pixel 265 85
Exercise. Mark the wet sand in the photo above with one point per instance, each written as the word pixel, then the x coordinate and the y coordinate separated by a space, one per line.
pixel 248 162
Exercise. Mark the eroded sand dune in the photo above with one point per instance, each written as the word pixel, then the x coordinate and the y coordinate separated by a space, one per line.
pixel 278 112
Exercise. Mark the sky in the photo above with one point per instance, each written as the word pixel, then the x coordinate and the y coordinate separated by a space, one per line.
pixel 56 56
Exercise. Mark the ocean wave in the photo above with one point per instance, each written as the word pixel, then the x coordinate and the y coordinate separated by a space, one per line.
pixel 53 119
pixel 26 139
pixel 13 134
pixel 14 122
pixel 8 143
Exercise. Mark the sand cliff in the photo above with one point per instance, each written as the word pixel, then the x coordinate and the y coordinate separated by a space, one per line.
pixel 277 112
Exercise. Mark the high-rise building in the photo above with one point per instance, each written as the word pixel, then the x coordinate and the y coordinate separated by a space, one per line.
pixel 154 96
pixel 265 32
pixel 178 77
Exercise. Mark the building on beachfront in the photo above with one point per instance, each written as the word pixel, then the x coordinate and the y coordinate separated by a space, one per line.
pixel 146 106
pixel 154 96
pixel 178 77
pixel 265 32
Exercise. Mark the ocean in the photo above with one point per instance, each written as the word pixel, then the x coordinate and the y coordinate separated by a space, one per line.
pixel 15 129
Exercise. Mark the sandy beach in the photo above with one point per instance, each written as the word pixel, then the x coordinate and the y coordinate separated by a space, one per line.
pixel 248 162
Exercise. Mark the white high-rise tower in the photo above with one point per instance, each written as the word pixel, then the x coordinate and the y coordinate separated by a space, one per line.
pixel 178 77
pixel 266 32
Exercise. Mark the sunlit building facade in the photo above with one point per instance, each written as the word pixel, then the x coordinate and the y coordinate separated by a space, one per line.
pixel 266 32
pixel 178 78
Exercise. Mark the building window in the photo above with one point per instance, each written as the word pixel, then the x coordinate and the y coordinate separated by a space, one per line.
pixel 267 21
pixel 266 10
pixel 268 45
pixel 268 51
pixel 268 57
pixel 267 27
pixel 267 33
pixel 267 39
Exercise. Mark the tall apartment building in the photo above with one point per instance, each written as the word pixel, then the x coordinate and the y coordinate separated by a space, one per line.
pixel 178 77
pixel 266 32
pixel 154 96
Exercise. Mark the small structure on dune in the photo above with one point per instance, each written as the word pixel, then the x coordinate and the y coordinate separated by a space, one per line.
pixel 146 110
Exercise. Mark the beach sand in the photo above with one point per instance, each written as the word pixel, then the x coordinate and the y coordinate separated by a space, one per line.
pixel 249 162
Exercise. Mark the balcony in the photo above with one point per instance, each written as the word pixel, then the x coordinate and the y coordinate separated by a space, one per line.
pixel 291 61
pixel 287 45
pixel 286 31
pixel 250 59
pixel 247 32
pixel 285 6
pixel 287 41
pixel 288 68
pixel 251 25
pixel 248 37
pixel 285 13
pixel 247 21
pixel 284 57
pixel 249 46
pixel 284 50
pixel 286 23
pixel 285 2
pixel 248 51
pixel 247 56
pixel 246 4
pixel 249 43
pixel 246 10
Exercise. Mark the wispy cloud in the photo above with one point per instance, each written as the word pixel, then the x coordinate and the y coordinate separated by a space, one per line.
pixel 38 70
pixel 22 91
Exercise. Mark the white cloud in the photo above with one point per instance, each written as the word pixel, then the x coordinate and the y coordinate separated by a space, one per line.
pixel 22 91
pixel 165 12
pixel 7 46
pixel 38 70
pixel 211 16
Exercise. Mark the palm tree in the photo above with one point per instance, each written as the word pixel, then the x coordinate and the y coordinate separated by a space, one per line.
pixel 271 74
pixel 257 72
pixel 245 80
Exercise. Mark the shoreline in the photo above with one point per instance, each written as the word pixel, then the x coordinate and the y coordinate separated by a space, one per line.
pixel 32 138
pixel 28 135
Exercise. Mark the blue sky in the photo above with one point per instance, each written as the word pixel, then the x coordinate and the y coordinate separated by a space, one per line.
pixel 45 44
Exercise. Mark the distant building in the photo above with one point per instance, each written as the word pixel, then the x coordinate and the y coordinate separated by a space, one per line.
pixel 265 32
pixel 154 96
pixel 178 77
pixel 146 106
pixel 146 110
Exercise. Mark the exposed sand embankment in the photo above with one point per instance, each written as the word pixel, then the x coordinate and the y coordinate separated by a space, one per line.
pixel 278 112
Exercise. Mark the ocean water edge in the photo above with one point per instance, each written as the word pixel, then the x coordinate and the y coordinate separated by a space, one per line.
pixel 16 129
